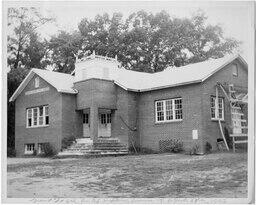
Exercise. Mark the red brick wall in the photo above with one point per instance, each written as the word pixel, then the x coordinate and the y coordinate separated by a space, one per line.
pixel 72 120
pixel 150 132
pixel 53 132
pixel 125 114
pixel 96 92
pixel 211 129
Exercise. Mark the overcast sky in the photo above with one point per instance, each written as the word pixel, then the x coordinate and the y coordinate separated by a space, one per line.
pixel 234 17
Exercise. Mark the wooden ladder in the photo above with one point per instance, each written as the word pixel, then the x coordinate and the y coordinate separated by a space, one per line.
pixel 235 117
pixel 240 130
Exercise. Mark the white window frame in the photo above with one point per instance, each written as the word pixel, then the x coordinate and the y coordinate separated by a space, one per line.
pixel 37 109
pixel 216 111
pixel 174 119
pixel 30 150
pixel 37 82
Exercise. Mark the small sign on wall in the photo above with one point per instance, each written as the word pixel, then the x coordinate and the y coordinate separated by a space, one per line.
pixel 37 91
pixel 195 134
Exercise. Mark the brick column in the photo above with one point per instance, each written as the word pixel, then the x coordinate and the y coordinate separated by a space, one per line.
pixel 94 122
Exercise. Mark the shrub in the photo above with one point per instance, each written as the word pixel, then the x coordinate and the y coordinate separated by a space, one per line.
pixel 34 153
pixel 67 141
pixel 208 147
pixel 171 145
pixel 48 150
pixel 193 150
pixel 11 152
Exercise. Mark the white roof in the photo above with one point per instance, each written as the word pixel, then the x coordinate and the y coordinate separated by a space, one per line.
pixel 173 76
pixel 139 81
pixel 62 82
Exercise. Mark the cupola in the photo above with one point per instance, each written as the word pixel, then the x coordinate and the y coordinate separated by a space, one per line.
pixel 96 66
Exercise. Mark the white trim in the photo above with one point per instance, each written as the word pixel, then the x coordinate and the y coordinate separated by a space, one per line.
pixel 223 65
pixel 164 110
pixel 67 91
pixel 26 151
pixel 37 119
pixel 22 86
pixel 27 79
pixel 216 111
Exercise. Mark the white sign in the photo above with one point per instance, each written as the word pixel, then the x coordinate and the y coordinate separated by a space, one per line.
pixel 195 134
pixel 37 91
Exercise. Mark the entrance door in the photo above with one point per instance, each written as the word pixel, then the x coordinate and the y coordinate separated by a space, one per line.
pixel 104 125
pixel 86 125
pixel 236 114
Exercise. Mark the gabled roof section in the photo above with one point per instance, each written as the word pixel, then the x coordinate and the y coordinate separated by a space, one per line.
pixel 174 76
pixel 62 82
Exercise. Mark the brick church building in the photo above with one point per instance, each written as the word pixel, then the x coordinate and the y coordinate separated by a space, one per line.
pixel 102 100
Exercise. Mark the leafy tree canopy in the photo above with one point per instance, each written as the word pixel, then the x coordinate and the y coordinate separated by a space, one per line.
pixel 149 43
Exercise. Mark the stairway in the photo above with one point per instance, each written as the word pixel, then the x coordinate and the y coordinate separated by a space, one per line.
pixel 102 147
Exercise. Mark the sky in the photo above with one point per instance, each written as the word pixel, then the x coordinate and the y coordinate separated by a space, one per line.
pixel 234 16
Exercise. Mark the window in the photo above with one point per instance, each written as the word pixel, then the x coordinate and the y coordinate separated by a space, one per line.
pixel 235 70
pixel 38 116
pixel 108 118
pixel 36 82
pixel 46 115
pixel 86 118
pixel 105 118
pixel 217 114
pixel 29 148
pixel 168 110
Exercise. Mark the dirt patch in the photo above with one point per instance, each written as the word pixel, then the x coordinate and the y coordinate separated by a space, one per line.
pixel 158 175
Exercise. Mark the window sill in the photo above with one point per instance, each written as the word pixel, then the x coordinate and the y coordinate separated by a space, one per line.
pixel 28 153
pixel 41 126
pixel 216 120
pixel 166 122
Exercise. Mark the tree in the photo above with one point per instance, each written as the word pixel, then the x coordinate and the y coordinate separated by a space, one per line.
pixel 64 48
pixel 25 51
pixel 150 43
pixel 23 36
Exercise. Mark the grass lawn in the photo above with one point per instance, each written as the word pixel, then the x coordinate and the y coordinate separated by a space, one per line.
pixel 157 175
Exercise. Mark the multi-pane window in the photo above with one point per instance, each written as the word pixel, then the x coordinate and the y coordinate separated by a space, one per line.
pixel 29 148
pixel 217 113
pixel 38 116
pixel 105 118
pixel 86 118
pixel 168 110
pixel 178 108
pixel 46 115
pixel 108 118
pixel 160 111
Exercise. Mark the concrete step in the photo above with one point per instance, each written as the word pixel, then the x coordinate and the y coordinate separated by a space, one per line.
pixel 84 141
pixel 108 145
pixel 103 147
pixel 110 148
pixel 79 146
